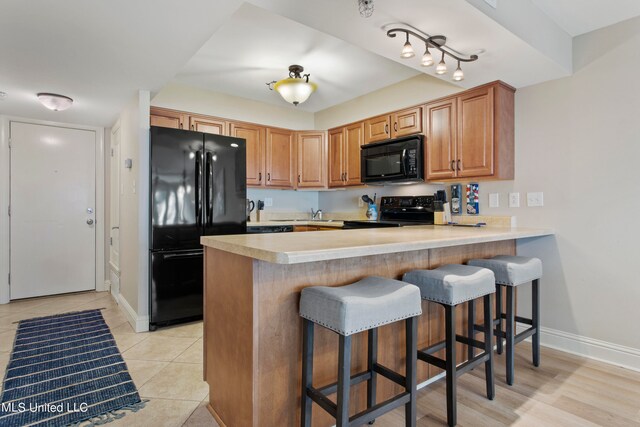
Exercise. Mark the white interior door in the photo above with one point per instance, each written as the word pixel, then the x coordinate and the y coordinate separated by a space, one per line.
pixel 52 210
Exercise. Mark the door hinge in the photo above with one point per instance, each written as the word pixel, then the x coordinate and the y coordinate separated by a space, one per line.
pixel 110 241
pixel 9 279
pixel 9 143
pixel 112 152
pixel 9 210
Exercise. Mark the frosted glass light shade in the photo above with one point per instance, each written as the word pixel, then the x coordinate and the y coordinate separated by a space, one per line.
pixel 427 59
pixel 294 90
pixel 55 102
pixel 407 51
pixel 441 68
pixel 458 75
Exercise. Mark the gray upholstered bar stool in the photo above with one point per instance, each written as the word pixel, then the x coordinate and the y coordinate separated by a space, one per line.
pixel 512 271
pixel 346 310
pixel 451 285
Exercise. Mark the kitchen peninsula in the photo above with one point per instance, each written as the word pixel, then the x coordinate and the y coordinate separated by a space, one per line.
pixel 252 331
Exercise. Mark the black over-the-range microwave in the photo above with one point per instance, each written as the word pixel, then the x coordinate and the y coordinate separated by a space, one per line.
pixel 392 161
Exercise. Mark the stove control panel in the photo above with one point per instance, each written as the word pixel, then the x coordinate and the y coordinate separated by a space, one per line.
pixel 410 202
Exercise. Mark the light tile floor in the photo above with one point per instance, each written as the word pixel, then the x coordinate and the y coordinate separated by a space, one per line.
pixel 166 365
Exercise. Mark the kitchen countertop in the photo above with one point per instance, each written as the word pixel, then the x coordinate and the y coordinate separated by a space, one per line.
pixel 294 248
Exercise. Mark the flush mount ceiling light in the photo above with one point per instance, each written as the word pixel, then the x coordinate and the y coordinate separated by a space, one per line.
pixel 296 88
pixel 437 42
pixel 366 8
pixel 54 101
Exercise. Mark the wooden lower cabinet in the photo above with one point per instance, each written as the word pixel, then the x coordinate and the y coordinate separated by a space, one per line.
pixel 280 158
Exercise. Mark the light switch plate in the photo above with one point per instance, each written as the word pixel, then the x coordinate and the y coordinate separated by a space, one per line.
pixel 535 199
pixel 268 201
pixel 494 200
pixel 514 200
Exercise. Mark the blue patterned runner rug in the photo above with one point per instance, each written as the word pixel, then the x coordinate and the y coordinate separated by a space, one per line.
pixel 63 370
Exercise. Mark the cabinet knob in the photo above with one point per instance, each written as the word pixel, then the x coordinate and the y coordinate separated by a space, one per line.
pixel 180 125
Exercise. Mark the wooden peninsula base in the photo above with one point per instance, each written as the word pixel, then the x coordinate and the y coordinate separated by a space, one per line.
pixel 253 334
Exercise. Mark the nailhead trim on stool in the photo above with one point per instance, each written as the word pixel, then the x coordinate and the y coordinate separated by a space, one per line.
pixel 512 271
pixel 346 310
pixel 451 285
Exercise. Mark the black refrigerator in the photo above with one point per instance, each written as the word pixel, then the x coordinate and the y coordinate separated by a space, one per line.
pixel 198 188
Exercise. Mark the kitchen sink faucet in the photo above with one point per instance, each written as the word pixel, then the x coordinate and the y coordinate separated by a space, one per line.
pixel 316 214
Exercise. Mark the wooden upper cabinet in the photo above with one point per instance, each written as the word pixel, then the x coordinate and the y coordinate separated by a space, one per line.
pixel 377 129
pixel 255 137
pixel 440 148
pixel 335 158
pixel 353 140
pixel 312 164
pixel 406 122
pixel 280 158
pixel 471 135
pixel 168 118
pixel 208 125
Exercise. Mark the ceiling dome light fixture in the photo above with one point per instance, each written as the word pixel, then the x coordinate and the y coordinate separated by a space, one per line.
pixel 437 42
pixel 296 88
pixel 54 101
pixel 366 8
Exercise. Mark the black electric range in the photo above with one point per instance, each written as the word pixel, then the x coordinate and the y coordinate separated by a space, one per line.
pixel 399 211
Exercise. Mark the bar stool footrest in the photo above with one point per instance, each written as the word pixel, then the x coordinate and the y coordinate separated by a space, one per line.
pixel 355 379
pixel 379 409
pixel 389 374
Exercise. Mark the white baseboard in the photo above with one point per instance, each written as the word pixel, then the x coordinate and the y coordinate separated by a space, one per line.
pixel 138 323
pixel 619 355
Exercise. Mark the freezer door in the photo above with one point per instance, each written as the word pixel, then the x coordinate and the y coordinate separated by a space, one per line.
pixel 176 194
pixel 225 186
pixel 176 288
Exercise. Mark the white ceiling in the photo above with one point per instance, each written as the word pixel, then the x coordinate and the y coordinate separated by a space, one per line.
pixel 256 46
pixel 582 16
pixel 101 52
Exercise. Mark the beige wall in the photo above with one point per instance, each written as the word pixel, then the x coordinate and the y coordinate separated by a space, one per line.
pixel 134 137
pixel 408 92
pixel 578 141
pixel 192 99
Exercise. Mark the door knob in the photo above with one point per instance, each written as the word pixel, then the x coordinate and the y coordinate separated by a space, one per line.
pixel 90 221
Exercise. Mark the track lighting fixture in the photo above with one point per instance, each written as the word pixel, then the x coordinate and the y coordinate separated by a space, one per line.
pixel 437 42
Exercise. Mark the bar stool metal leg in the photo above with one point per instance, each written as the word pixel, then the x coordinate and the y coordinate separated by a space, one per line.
pixel 499 318
pixel 450 332
pixel 488 346
pixel 411 382
pixel 510 333
pixel 307 371
pixel 535 320
pixel 471 320
pixel 372 359
pixel 344 381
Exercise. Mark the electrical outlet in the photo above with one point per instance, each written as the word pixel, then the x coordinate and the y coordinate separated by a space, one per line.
pixel 494 200
pixel 535 199
pixel 268 201
pixel 514 200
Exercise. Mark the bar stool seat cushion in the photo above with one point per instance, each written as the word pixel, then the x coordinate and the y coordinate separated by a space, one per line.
pixel 452 284
pixel 511 270
pixel 364 305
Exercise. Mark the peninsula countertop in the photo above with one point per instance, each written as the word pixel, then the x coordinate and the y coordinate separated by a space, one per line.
pixel 295 248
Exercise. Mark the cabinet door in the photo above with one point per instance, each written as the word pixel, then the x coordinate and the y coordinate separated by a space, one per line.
pixel 254 135
pixel 335 159
pixel 168 118
pixel 281 161
pixel 475 133
pixel 441 139
pixel 208 125
pixel 406 122
pixel 354 138
pixel 377 129
pixel 311 159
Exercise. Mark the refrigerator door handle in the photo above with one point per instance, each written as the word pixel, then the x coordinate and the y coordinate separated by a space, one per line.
pixel 183 255
pixel 197 189
pixel 208 188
